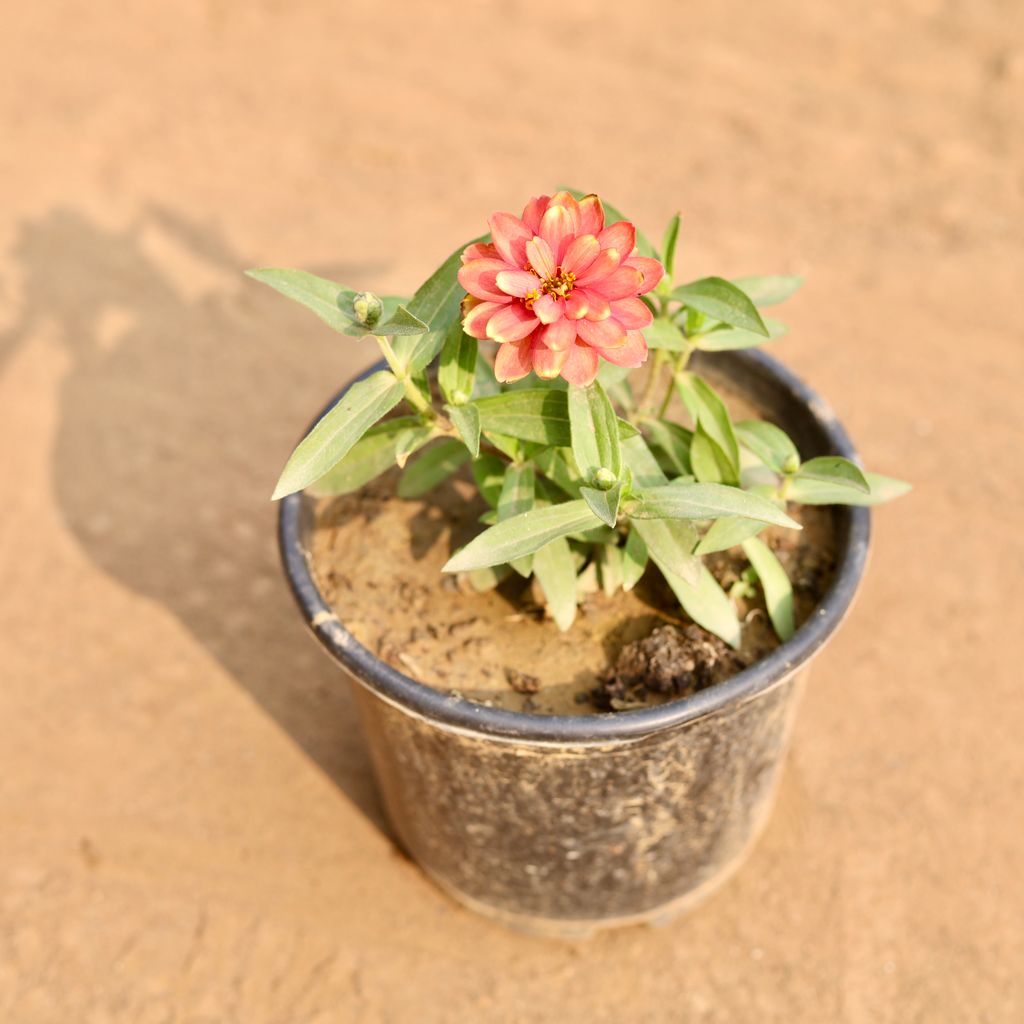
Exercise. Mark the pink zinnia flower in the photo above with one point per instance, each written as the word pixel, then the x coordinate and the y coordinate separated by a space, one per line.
pixel 558 290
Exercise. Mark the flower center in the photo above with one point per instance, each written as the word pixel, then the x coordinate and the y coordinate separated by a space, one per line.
pixel 560 284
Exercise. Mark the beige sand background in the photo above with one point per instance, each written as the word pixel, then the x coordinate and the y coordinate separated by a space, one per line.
pixel 188 831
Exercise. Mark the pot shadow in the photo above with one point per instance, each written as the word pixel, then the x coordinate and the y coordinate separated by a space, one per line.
pixel 183 392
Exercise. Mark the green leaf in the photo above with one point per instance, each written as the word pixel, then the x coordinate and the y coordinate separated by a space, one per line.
pixel 710 413
pixel 489 474
pixel 668 246
pixel 609 568
pixel 710 466
pixel 340 428
pixel 518 495
pixel 674 441
pixel 707 604
pixel 371 455
pixel 604 504
pixel 833 469
pixel 728 339
pixel 437 463
pixel 816 492
pixel 523 535
pixel 778 592
pixel 720 300
pixel 536 414
pixel 634 560
pixel 555 569
pixel 726 533
pixel 670 542
pixel 595 432
pixel 558 465
pixel 436 303
pixel 611 216
pixel 482 580
pixel 704 501
pixel 664 334
pixel 769 290
pixel 484 381
pixel 642 463
pixel 769 443
pixel 456 370
pixel 400 323
pixel 466 420
pixel 331 302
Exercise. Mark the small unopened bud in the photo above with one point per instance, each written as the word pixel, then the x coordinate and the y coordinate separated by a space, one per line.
pixel 605 479
pixel 367 308
pixel 791 465
pixel 459 398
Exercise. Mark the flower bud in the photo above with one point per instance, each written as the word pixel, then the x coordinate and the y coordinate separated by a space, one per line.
pixel 367 308
pixel 605 479
pixel 791 465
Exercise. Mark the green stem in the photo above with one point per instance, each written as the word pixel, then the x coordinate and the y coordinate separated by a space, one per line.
pixel 679 362
pixel 413 395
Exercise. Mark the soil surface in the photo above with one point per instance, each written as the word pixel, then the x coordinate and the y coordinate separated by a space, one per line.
pixel 378 562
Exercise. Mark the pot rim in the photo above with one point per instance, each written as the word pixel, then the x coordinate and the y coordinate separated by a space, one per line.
pixel 455 713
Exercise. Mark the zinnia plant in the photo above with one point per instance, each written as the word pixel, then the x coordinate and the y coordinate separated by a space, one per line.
pixel 517 355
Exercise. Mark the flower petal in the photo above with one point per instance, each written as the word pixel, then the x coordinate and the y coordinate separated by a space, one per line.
pixel 557 229
pixel 591 215
pixel 510 236
pixel 600 333
pixel 533 211
pixel 548 362
pixel 570 203
pixel 549 309
pixel 632 354
pixel 559 335
pixel 632 313
pixel 607 261
pixel 511 323
pixel 581 253
pixel 476 317
pixel 541 258
pixel 517 282
pixel 598 307
pixel 621 235
pixel 580 368
pixel 651 270
pixel 513 362
pixel 622 283
pixel 576 304
pixel 479 278
pixel 480 251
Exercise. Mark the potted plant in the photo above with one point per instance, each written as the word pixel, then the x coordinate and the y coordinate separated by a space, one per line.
pixel 619 763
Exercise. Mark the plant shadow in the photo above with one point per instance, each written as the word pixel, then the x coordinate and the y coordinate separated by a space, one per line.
pixel 186 385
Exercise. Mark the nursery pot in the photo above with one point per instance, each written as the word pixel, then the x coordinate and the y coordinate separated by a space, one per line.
pixel 561 824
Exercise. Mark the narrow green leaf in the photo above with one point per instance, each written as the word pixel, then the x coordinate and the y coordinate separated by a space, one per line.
pixel 769 443
pixel 436 464
pixel 710 466
pixel 609 568
pixel 466 420
pixel 537 414
pixel 707 604
pixel 523 535
pixel 484 381
pixel 456 370
pixel 674 441
pixel 340 428
pixel 604 504
pixel 668 246
pixel 721 300
pixel 331 302
pixel 726 533
pixel 728 339
pixel 594 430
pixel 833 469
pixel 634 560
pixel 711 414
pixel 816 492
pixel 518 494
pixel 371 455
pixel 400 323
pixel 558 465
pixel 778 592
pixel 489 474
pixel 555 569
pixel 704 501
pixel 670 542
pixel 769 290
pixel 664 334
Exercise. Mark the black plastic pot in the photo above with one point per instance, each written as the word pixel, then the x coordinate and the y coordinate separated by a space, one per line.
pixel 560 824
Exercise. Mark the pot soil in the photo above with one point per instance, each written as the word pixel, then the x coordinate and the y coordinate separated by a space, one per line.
pixel 568 781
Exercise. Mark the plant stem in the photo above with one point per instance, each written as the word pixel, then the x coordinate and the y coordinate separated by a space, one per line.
pixel 413 395
pixel 679 362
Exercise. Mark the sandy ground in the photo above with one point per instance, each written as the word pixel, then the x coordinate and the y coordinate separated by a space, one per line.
pixel 190 833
